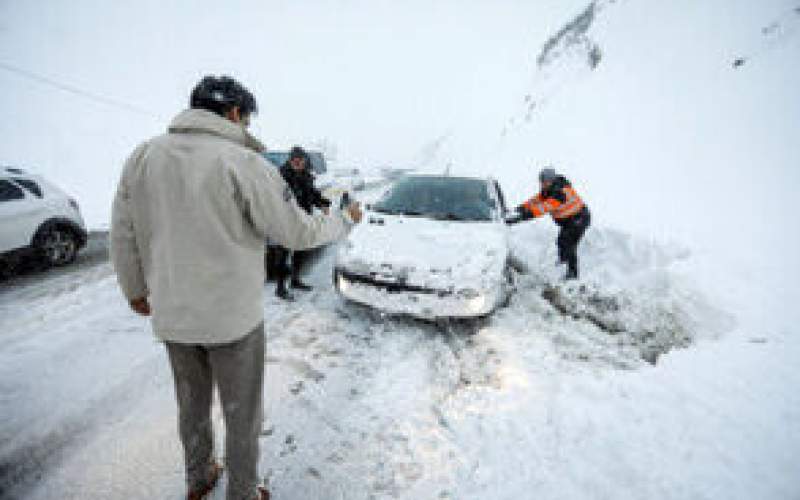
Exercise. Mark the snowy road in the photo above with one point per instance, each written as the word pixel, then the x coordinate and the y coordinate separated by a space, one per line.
pixel 529 403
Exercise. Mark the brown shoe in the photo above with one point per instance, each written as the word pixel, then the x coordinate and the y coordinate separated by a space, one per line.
pixel 263 493
pixel 213 477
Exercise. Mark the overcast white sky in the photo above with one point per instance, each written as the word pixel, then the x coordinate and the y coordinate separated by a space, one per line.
pixel 377 78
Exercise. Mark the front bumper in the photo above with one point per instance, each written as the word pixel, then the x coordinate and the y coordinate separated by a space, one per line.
pixel 417 301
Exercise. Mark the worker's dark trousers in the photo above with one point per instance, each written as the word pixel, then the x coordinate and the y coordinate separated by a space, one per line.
pixel 568 238
pixel 282 268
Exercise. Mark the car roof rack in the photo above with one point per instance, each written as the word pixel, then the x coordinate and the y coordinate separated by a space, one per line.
pixel 14 170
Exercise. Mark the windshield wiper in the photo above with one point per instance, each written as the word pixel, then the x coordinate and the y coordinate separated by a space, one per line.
pixel 397 211
pixel 448 216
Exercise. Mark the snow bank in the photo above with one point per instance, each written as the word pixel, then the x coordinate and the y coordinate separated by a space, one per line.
pixel 632 290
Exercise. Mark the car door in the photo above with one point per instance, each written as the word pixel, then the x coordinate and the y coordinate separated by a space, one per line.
pixel 20 216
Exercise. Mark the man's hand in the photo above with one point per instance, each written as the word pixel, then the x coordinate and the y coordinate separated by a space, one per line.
pixel 513 219
pixel 354 211
pixel 521 214
pixel 141 306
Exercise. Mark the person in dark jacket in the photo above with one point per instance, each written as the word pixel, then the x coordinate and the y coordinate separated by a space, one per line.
pixel 296 172
pixel 558 198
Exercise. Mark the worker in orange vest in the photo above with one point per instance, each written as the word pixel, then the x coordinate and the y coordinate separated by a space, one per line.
pixel 558 198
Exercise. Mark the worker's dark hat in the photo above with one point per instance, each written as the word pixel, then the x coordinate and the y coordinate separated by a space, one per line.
pixel 547 174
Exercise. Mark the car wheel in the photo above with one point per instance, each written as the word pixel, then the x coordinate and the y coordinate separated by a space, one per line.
pixel 6 269
pixel 58 246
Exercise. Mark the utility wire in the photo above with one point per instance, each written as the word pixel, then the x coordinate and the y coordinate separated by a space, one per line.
pixel 74 90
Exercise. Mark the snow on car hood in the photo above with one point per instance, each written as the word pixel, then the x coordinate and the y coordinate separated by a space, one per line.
pixel 426 252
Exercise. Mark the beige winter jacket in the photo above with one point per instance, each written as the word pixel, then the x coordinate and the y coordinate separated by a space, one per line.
pixel 191 214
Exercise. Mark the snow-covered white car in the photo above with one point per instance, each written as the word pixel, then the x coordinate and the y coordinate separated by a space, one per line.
pixel 432 247
pixel 37 219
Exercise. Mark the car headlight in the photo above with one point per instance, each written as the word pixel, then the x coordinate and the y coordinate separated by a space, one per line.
pixel 341 283
pixel 475 300
pixel 477 304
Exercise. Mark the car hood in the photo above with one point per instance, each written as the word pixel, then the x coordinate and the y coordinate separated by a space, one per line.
pixel 426 252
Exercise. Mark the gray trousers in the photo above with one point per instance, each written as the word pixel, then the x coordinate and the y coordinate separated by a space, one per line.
pixel 238 370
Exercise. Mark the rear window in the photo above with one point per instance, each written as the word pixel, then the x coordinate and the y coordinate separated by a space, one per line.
pixel 10 191
pixel 448 198
pixel 30 186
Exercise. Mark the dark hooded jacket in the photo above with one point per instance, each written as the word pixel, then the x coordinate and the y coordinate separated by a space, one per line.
pixel 302 185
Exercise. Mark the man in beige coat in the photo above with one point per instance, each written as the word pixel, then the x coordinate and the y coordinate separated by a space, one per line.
pixel 190 217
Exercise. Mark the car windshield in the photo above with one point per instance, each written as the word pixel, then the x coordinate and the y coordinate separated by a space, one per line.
pixel 444 198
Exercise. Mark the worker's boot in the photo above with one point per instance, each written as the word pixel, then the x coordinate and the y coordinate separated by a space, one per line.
pixel 299 285
pixel 298 257
pixel 572 272
pixel 282 292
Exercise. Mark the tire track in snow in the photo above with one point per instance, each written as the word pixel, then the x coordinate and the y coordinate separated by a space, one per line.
pixel 25 463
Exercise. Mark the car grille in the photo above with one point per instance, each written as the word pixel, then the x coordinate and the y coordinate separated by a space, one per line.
pixel 392 286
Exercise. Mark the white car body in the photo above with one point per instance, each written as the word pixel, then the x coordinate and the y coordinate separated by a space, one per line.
pixel 427 268
pixel 35 213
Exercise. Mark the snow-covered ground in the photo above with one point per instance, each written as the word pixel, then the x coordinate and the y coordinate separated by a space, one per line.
pixel 526 404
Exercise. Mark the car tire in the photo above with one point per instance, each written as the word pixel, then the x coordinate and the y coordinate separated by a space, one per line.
pixel 6 269
pixel 57 246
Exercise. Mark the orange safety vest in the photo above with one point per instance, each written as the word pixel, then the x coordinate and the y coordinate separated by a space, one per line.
pixel 539 205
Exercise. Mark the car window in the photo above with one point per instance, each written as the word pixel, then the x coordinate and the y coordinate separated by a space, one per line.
pixel 30 186
pixel 10 191
pixel 449 198
pixel 317 162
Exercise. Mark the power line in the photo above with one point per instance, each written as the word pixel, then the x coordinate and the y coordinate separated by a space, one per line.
pixel 74 90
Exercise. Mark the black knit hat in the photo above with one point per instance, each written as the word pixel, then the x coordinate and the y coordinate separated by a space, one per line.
pixel 220 94
pixel 297 152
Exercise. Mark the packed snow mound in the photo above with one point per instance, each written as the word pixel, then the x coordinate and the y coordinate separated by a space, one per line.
pixel 649 327
pixel 632 300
